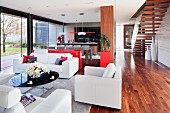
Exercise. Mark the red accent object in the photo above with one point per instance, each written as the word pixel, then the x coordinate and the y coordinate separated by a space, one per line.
pixel 64 58
pixel 85 32
pixel 73 32
pixel 104 59
pixel 25 58
pixel 75 53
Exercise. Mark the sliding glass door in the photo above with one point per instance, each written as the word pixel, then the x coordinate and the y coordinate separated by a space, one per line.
pixel 13 39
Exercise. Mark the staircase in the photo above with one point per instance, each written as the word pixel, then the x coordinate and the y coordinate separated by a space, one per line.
pixel 152 15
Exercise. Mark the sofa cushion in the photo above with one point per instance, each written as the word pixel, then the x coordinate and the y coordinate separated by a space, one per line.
pixel 9 96
pixel 56 68
pixel 31 106
pixel 64 58
pixel 41 58
pixel 57 61
pixel 31 60
pixel 26 57
pixel 54 56
pixel 109 71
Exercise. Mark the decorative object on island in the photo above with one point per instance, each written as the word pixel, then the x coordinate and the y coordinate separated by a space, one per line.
pixel 105 48
pixel 153 50
pixel 61 39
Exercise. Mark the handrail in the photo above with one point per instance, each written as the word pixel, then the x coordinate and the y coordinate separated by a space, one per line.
pixel 135 32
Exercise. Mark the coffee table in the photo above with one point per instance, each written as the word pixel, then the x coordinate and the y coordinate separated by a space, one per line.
pixel 22 80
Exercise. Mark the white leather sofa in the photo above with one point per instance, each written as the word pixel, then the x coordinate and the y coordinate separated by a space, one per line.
pixel 57 102
pixel 66 70
pixel 95 89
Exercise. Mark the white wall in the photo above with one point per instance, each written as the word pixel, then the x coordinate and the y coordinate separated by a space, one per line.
pixel 52 34
pixel 163 40
pixel 119 37
pixel 70 29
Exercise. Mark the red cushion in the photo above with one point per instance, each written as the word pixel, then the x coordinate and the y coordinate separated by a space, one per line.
pixel 25 58
pixel 64 58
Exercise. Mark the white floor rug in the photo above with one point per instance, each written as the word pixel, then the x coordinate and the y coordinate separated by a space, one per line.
pixel 60 84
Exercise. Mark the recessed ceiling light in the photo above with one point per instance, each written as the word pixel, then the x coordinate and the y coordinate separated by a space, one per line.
pixel 63 15
pixel 66 4
pixel 89 2
pixel 47 6
pixel 81 13
pixel 29 8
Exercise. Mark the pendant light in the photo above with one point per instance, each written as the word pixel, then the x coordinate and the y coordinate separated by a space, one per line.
pixel 82 33
pixel 62 33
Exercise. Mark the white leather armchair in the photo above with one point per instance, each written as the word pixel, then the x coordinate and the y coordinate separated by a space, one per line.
pixel 94 89
pixel 57 102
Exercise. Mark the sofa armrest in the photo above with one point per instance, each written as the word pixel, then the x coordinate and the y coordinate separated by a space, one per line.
pixel 70 67
pixel 94 71
pixel 4 78
pixel 57 102
pixel 84 88
pixel 98 90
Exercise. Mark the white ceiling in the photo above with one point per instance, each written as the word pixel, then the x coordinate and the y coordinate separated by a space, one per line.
pixel 72 8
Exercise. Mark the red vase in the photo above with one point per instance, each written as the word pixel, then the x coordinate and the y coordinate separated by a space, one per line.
pixel 104 59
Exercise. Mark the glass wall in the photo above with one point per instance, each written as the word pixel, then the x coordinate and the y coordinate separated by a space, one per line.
pixel 13 38
pixel 52 35
pixel 45 33
pixel 41 32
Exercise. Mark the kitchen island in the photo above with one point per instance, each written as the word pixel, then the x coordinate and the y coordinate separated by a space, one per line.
pixel 80 45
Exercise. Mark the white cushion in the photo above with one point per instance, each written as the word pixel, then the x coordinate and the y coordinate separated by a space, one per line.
pixel 53 67
pixel 53 57
pixel 109 71
pixel 18 108
pixel 41 51
pixel 41 58
pixel 34 104
pixel 9 96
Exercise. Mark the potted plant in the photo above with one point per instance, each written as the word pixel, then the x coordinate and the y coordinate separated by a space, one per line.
pixel 105 50
pixel 41 49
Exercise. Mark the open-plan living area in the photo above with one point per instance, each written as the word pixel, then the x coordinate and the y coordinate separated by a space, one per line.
pixel 85 56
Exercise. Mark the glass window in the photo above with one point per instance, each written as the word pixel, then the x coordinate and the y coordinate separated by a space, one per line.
pixel 13 38
pixel 40 32
pixel 52 35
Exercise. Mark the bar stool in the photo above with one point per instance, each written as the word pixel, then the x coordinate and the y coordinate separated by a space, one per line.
pixel 87 50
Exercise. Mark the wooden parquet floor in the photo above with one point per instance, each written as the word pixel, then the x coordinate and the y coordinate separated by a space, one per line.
pixel 145 88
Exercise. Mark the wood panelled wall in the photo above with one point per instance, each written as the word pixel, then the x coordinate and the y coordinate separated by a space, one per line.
pixel 107 26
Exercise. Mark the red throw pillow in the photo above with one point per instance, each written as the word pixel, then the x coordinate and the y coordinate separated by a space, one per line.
pixel 25 58
pixel 64 58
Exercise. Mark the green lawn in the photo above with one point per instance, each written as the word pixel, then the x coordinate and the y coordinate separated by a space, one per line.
pixel 12 50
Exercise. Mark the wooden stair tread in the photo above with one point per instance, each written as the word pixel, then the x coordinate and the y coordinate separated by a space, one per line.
pixel 157 6
pixel 157 1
